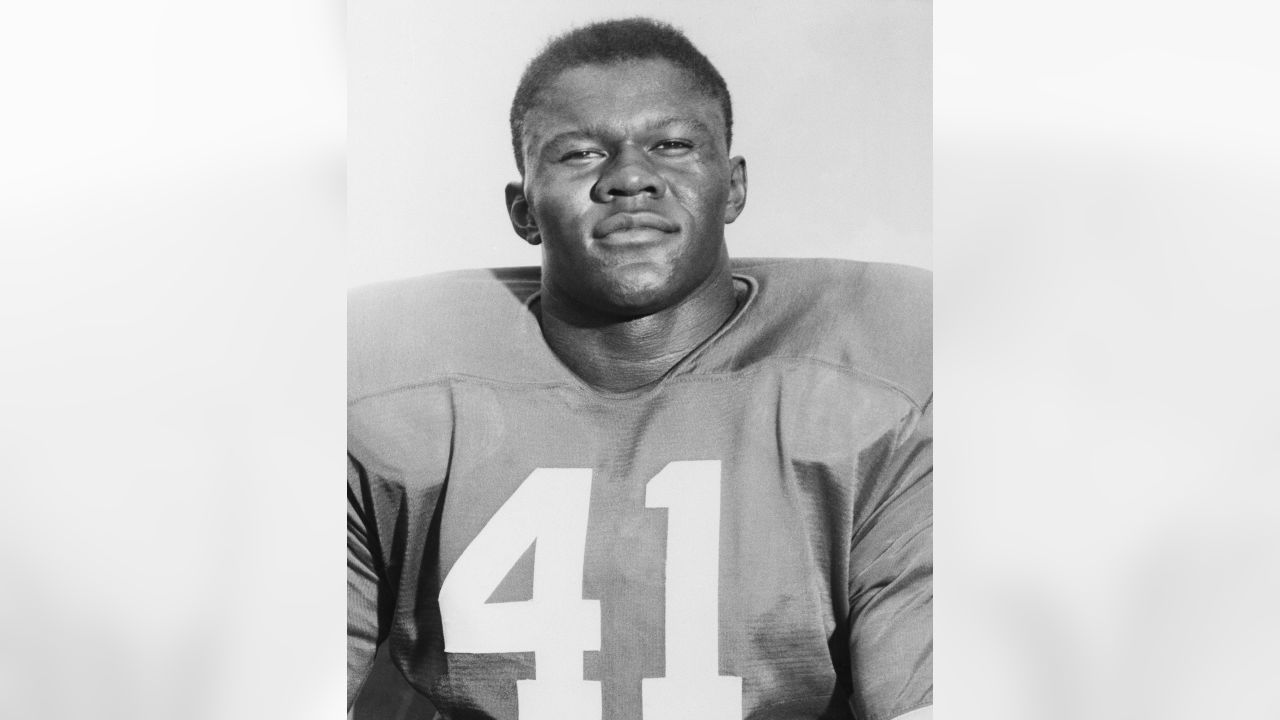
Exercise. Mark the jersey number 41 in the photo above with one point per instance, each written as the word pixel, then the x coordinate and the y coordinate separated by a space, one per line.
pixel 557 625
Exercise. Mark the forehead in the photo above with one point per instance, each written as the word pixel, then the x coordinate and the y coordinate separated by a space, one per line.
pixel 622 94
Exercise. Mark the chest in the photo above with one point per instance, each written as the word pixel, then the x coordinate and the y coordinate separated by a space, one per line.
pixel 690 548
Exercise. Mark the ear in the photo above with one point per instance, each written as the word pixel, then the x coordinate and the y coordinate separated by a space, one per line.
pixel 737 189
pixel 521 215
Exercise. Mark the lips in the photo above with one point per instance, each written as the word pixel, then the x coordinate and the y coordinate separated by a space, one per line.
pixel 632 220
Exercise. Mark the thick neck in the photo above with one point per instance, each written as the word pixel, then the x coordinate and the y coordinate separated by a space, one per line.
pixel 621 354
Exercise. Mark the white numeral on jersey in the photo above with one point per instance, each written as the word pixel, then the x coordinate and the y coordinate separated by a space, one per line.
pixel 550 507
pixel 693 687
pixel 558 625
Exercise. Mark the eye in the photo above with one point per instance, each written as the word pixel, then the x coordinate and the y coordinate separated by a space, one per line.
pixel 673 147
pixel 579 156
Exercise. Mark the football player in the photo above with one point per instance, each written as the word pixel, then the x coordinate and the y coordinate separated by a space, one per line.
pixel 642 481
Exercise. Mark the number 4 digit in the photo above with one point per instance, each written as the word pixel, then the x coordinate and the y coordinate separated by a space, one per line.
pixel 550 506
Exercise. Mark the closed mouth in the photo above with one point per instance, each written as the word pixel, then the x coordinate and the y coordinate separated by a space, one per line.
pixel 632 220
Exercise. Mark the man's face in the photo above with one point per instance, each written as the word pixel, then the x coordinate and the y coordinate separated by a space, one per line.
pixel 628 186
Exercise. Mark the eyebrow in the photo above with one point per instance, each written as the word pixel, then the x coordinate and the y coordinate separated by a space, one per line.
pixel 647 126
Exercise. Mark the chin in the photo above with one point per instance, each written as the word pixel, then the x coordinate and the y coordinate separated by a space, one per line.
pixel 639 290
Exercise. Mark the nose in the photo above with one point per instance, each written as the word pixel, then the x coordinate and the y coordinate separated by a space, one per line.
pixel 628 174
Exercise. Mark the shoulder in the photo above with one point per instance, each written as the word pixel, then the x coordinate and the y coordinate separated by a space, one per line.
pixel 872 318
pixel 843 280
pixel 405 332
pixel 881 284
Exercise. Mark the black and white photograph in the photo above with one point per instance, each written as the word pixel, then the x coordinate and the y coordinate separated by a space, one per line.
pixel 653 437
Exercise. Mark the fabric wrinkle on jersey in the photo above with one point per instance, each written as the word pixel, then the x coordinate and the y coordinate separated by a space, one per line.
pixel 802 427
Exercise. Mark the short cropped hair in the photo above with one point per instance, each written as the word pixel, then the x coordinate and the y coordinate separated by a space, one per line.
pixel 608 42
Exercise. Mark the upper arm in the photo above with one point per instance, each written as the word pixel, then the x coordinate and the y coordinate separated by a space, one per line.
pixel 891 588
pixel 363 627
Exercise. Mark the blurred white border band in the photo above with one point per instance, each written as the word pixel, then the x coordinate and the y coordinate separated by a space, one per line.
pixel 1106 212
pixel 173 354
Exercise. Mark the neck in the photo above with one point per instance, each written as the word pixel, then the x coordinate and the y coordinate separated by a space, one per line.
pixel 621 354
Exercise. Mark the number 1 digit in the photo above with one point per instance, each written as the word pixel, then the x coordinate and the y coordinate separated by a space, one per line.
pixel 692 687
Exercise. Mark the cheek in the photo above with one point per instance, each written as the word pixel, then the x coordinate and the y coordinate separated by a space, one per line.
pixel 707 210
pixel 558 211
pixel 705 196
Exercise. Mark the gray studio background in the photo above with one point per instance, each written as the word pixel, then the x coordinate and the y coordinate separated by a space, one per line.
pixel 832 109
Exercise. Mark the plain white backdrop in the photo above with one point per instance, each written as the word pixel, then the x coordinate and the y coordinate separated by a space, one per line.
pixel 831 110
pixel 172 293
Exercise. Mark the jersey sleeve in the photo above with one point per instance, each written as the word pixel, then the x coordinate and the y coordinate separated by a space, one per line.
pixel 364 628
pixel 891 584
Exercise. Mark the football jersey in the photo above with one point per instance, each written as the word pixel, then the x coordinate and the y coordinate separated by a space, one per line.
pixel 749 537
